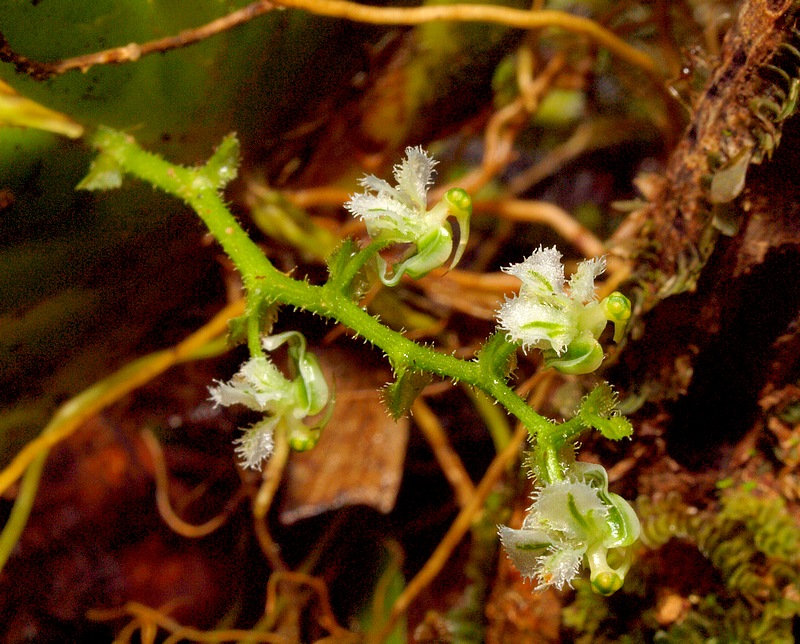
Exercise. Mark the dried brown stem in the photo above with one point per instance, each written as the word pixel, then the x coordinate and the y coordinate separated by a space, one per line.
pixel 547 213
pixel 133 51
pixel 271 478
pixel 326 619
pixel 162 496
pixel 452 466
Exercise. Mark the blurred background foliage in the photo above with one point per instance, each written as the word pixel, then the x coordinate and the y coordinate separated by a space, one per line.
pixel 81 288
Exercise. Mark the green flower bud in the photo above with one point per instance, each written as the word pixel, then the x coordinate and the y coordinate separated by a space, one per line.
pixel 617 308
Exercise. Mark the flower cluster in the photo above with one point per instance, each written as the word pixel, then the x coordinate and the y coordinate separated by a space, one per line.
pixel 400 215
pixel 573 519
pixel 565 324
pixel 260 386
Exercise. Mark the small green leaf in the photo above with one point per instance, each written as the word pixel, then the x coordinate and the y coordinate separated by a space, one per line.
pixel 223 166
pixel 345 274
pixel 728 182
pixel 341 257
pixel 389 585
pixel 401 394
pixel 104 174
pixel 267 313
pixel 614 428
pixel 498 356
pixel 598 410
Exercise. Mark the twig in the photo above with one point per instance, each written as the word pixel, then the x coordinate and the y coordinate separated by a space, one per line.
pixel 547 213
pixel 326 619
pixel 588 136
pixel 452 466
pixel 519 18
pixel 162 496
pixel 271 478
pixel 72 414
pixel 133 51
pixel 507 122
pixel 146 616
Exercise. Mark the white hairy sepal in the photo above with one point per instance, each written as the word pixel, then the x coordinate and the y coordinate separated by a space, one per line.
pixel 571 507
pixel 537 558
pixel 542 276
pixel 536 325
pixel 258 385
pixel 257 443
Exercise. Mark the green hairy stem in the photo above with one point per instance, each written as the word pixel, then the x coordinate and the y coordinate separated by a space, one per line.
pixel 199 187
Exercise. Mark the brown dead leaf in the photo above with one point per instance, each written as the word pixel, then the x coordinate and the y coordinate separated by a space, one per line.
pixel 359 458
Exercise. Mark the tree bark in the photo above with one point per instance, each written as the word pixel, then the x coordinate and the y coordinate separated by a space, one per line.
pixel 717 249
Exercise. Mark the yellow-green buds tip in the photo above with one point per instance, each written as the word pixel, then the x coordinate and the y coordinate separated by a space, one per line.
pixel 606 583
pixel 617 308
pixel 459 201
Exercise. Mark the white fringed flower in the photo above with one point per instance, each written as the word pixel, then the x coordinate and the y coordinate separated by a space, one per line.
pixel 401 215
pixel 257 443
pixel 401 210
pixel 259 385
pixel 570 520
pixel 563 319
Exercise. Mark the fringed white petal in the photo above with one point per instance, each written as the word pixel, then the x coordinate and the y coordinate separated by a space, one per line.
pixel 536 325
pixel 541 274
pixel 256 444
pixel 581 284
pixel 414 174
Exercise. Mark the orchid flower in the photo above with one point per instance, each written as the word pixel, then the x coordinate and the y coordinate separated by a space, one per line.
pixel 573 520
pixel 259 385
pixel 400 215
pixel 565 324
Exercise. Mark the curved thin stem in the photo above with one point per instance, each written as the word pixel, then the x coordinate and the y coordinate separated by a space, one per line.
pixel 168 514
pixel 74 412
pixel 519 18
pixel 265 283
pixel 23 505
pixel 29 462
